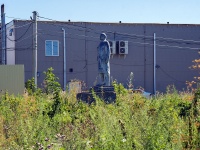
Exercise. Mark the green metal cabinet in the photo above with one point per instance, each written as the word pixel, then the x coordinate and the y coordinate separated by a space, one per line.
pixel 12 79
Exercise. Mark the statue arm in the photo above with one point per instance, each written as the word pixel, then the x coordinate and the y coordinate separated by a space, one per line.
pixel 108 52
pixel 98 53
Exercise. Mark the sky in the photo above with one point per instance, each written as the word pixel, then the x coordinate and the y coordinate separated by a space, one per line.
pixel 127 11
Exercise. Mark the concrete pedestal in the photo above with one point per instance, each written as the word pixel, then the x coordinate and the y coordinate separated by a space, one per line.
pixel 106 93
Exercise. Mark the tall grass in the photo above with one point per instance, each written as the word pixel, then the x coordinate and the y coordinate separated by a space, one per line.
pixel 168 121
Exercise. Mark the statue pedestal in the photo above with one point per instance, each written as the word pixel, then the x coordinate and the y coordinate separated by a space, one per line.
pixel 106 93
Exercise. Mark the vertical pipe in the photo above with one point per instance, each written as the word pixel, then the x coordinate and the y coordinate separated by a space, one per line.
pixel 64 61
pixel 3 35
pixel 144 58
pixel 154 64
pixel 86 55
pixel 35 47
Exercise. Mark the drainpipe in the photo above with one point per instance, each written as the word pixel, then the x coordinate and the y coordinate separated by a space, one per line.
pixel 64 61
pixel 154 64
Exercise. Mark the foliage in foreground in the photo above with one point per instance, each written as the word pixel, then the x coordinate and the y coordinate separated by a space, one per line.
pixel 169 121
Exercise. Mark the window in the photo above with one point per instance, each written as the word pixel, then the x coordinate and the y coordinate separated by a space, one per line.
pixel 10 32
pixel 51 48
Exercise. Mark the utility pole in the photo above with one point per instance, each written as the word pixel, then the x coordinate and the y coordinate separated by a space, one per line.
pixel 3 35
pixel 35 47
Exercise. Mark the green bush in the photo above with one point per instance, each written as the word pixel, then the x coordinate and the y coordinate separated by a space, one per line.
pixel 50 84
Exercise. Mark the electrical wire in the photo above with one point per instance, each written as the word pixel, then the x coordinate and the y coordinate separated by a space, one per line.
pixel 19 49
pixel 19 26
pixel 42 33
pixel 86 28
pixel 15 18
pixel 178 39
pixel 171 76
pixel 133 42
pixel 132 36
pixel 149 39
pixel 179 47
pixel 130 64
pixel 21 35
pixel 45 18
pixel 21 39
pixel 142 36
pixel 146 37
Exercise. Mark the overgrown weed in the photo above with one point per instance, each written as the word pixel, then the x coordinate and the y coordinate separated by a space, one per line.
pixel 58 121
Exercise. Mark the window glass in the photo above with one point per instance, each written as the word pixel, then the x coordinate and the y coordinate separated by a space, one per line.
pixel 51 48
pixel 55 48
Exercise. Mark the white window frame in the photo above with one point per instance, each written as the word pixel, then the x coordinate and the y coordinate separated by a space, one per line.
pixel 52 47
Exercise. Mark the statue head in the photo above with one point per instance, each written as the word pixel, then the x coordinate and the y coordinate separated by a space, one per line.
pixel 103 37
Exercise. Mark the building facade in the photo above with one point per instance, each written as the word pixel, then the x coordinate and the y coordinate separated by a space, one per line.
pixel 0 46
pixel 176 47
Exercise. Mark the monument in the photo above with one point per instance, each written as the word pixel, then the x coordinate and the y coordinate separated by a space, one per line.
pixel 103 58
pixel 103 89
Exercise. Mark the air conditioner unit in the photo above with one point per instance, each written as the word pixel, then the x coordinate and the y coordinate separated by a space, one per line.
pixel 112 47
pixel 123 47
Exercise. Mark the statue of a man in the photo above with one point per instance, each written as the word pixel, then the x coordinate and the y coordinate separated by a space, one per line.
pixel 103 57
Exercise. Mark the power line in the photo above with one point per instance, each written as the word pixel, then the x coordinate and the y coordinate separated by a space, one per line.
pixel 18 49
pixel 19 26
pixel 99 31
pixel 15 18
pixel 132 42
pixel 171 76
pixel 178 39
pixel 144 37
pixel 130 64
pixel 124 34
pixel 21 35
pixel 179 47
pixel 45 18
pixel 173 39
pixel 21 39
pixel 131 36
pixel 42 33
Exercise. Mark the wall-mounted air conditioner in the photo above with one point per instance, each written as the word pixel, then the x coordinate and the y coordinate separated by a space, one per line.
pixel 112 47
pixel 123 47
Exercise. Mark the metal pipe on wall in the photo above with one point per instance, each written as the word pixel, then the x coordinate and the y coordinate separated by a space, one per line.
pixel 154 63
pixel 64 62
pixel 35 47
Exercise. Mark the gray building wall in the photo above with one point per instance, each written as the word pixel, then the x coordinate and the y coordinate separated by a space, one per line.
pixel 23 32
pixel 0 46
pixel 82 40
pixel 10 42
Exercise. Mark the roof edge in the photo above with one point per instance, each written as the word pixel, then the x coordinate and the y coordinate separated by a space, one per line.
pixel 111 23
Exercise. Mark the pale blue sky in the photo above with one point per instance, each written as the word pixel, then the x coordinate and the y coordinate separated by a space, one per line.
pixel 129 11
